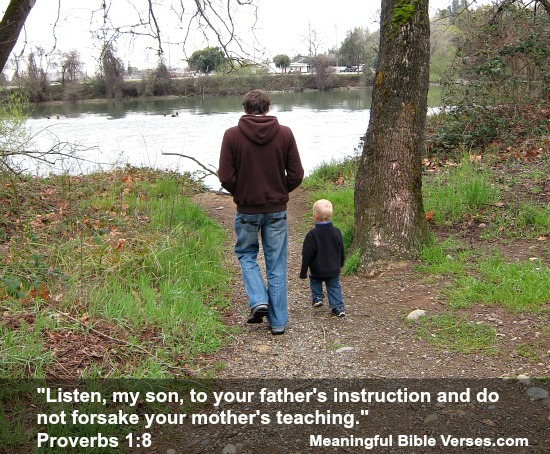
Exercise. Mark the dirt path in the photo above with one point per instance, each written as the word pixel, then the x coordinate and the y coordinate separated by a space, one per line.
pixel 374 340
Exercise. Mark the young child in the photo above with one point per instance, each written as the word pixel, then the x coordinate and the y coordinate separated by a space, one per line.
pixel 323 254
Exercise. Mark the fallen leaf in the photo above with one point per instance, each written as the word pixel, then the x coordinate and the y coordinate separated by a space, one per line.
pixel 429 215
pixel 120 243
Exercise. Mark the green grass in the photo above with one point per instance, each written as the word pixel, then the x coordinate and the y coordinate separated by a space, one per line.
pixel 459 191
pixel 449 257
pixel 518 287
pixel 481 278
pixel 321 185
pixel 524 219
pixel 326 174
pixel 21 349
pixel 530 350
pixel 478 277
pixel 352 263
pixel 455 333
pixel 127 252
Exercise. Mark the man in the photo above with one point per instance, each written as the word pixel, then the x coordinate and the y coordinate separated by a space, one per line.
pixel 259 166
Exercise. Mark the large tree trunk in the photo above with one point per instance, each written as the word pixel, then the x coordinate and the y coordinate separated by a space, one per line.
pixel 14 18
pixel 390 223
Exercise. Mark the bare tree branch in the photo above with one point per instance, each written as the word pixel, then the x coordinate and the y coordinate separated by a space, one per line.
pixel 159 40
pixel 209 171
pixel 213 19
pixel 54 29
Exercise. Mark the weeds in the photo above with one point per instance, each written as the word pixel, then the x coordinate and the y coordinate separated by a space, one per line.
pixel 459 191
pixel 518 287
pixel 123 252
pixel 525 219
pixel 334 182
pixel 352 263
pixel 455 333
pixel 458 194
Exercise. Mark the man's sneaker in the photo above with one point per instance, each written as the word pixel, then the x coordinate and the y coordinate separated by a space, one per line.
pixel 257 314
pixel 279 330
pixel 317 303
pixel 338 312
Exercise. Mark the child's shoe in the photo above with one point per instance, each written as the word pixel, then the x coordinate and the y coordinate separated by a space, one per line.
pixel 317 303
pixel 338 312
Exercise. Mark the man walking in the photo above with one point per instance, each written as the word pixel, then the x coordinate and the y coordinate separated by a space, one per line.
pixel 259 166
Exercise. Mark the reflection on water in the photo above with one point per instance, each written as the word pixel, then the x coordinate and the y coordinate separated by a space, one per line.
pixel 327 127
pixel 282 102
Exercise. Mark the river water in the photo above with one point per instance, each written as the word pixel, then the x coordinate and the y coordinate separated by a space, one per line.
pixel 327 127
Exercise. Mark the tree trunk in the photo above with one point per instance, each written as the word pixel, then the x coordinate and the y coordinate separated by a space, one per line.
pixel 390 223
pixel 14 18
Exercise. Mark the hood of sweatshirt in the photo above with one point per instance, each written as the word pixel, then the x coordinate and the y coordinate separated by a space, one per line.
pixel 259 129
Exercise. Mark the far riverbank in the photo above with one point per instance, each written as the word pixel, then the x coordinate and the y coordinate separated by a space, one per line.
pixel 213 85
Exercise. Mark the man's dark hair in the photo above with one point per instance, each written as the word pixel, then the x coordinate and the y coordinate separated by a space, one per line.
pixel 256 102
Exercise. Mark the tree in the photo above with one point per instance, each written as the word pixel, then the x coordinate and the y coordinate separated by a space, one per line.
pixel 35 78
pixel 313 41
pixel 12 22
pixel 503 57
pixel 324 74
pixel 71 65
pixel 14 137
pixel 207 60
pixel 390 223
pixel 282 61
pixel 443 39
pixel 501 71
pixel 353 48
pixel 112 71
pixel 17 149
pixel 161 79
pixel 215 19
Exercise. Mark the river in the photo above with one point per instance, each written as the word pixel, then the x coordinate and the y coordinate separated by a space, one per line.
pixel 327 127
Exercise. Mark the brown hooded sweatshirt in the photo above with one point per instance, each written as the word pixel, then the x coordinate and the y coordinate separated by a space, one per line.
pixel 260 164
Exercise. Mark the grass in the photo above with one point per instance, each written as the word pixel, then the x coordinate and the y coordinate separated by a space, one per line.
pixel 123 252
pixel 458 194
pixel 459 191
pixel 334 181
pixel 519 287
pixel 449 256
pixel 484 277
pixel 455 333
pixel 530 350
pixel 524 219
pixel 112 275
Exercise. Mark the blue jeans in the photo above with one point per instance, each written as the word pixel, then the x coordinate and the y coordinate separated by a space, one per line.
pixel 334 291
pixel 274 233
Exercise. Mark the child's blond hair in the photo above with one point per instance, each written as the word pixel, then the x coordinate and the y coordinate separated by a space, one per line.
pixel 323 209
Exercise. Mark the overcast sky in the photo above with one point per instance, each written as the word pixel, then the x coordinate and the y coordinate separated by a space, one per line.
pixel 281 27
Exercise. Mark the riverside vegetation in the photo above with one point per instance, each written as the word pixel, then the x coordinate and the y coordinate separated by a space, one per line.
pixel 119 275
pixel 235 83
